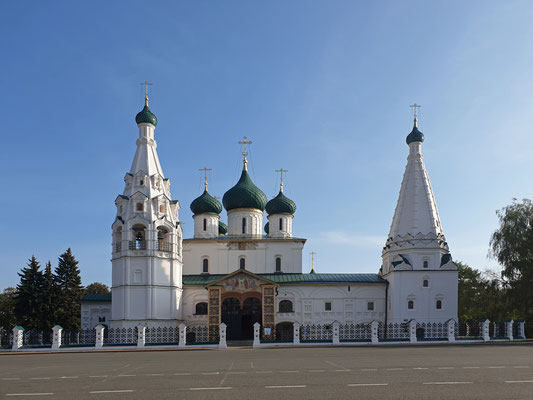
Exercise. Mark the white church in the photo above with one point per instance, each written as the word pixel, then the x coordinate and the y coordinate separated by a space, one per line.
pixel 251 270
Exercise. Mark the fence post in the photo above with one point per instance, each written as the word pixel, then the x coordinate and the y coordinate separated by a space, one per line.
pixel 412 331
pixel 509 329
pixel 485 323
pixel 99 336
pixel 18 334
pixel 56 339
pixel 141 335
pixel 183 335
pixel 451 330
pixel 521 329
pixel 296 333
pixel 257 331
pixel 374 328
pixel 222 333
pixel 336 339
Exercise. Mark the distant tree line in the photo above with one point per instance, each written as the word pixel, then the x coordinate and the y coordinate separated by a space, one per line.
pixel 44 298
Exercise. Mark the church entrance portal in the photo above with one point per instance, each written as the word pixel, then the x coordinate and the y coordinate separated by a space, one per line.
pixel 239 319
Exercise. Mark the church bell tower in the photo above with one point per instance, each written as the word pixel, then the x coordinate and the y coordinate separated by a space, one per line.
pixel 147 240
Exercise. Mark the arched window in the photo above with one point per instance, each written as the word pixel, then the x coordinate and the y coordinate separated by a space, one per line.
pixel 278 264
pixel 425 283
pixel 163 239
pixel 205 224
pixel 281 224
pixel 426 263
pixel 162 208
pixel 410 304
pixel 285 306
pixel 201 308
pixel 139 242
pixel 205 265
pixel 438 305
pixel 141 182
pixel 243 226
pixel 140 206
pixel 242 263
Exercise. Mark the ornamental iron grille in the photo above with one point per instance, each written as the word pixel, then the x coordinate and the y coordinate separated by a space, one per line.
pixel 355 332
pixel 162 335
pixel 197 334
pixel 393 331
pixel 37 338
pixel 85 337
pixel 6 338
pixel 497 330
pixel 214 334
pixel 316 333
pixel 431 330
pixel 468 329
pixel 120 336
pixel 516 332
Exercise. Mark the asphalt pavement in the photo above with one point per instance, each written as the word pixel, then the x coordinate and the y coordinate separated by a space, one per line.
pixel 420 372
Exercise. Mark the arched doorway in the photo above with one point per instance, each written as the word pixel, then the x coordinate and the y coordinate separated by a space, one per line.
pixel 240 320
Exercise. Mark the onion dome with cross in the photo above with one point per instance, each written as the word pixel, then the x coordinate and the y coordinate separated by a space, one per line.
pixel 146 116
pixel 205 203
pixel 281 204
pixel 415 135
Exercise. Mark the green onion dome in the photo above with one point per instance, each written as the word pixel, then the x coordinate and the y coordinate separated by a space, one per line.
pixel 281 204
pixel 206 204
pixel 415 135
pixel 146 116
pixel 267 228
pixel 222 228
pixel 244 195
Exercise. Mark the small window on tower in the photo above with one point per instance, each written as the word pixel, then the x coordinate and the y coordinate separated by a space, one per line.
pixel 438 306
pixel 162 208
pixel 370 306
pixel 278 264
pixel 205 224
pixel 121 209
pixel 426 264
pixel 139 206
pixel 327 306
pixel 411 305
pixel 243 226
pixel 141 182
pixel 425 283
pixel 281 224
pixel 242 263
pixel 205 266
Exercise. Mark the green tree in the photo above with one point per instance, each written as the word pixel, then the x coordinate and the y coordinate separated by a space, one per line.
pixel 28 300
pixel 68 292
pixel 7 309
pixel 512 245
pixel 48 301
pixel 97 288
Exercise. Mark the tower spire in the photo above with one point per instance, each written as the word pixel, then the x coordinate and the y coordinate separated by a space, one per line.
pixel 205 169
pixel 245 142
pixel 281 171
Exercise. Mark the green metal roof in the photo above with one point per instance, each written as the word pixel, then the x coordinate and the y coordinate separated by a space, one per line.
pixel 206 204
pixel 97 297
pixel 280 204
pixel 415 135
pixel 288 279
pixel 222 228
pixel 244 195
pixel 146 116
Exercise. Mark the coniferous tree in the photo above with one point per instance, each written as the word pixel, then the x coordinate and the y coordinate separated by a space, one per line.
pixel 68 292
pixel 29 297
pixel 49 305
pixel 7 309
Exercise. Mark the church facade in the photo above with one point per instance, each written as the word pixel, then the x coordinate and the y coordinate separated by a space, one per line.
pixel 250 270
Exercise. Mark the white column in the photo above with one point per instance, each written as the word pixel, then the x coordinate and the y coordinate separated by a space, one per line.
pixel 374 327
pixel 336 339
pixel 485 323
pixel 183 335
pixel 222 332
pixel 412 331
pixel 451 330
pixel 18 334
pixel 509 329
pixel 56 339
pixel 99 336
pixel 141 335
pixel 296 333
pixel 257 332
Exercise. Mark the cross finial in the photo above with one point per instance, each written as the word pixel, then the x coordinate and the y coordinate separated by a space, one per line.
pixel 245 142
pixel 281 171
pixel 313 254
pixel 146 84
pixel 415 106
pixel 205 169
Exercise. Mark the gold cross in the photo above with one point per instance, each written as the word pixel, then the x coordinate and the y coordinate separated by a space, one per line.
pixel 146 84
pixel 281 171
pixel 313 254
pixel 205 169
pixel 415 106
pixel 244 142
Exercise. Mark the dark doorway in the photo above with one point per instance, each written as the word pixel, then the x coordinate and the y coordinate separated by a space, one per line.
pixel 240 321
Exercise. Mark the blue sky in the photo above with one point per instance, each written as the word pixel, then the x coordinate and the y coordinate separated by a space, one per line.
pixel 322 88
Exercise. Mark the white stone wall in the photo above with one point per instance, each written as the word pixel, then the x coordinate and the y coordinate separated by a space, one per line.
pixel 211 226
pixel 254 222
pixel 94 313
pixel 260 255
pixel 273 225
